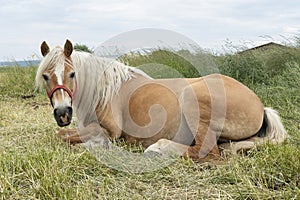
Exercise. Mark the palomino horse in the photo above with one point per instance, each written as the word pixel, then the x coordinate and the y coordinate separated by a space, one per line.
pixel 188 117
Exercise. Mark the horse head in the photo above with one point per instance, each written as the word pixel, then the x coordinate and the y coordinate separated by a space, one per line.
pixel 61 84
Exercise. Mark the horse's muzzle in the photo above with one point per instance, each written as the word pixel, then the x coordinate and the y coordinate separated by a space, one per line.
pixel 63 115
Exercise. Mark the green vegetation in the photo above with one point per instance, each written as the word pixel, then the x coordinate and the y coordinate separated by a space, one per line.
pixel 82 47
pixel 257 67
pixel 165 59
pixel 36 164
pixel 17 81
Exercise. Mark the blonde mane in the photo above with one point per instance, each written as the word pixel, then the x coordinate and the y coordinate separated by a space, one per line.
pixel 99 79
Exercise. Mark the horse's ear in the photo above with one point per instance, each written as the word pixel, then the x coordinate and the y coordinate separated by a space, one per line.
pixel 44 49
pixel 68 48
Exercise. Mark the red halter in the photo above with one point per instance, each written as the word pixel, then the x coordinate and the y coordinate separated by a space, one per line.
pixel 57 87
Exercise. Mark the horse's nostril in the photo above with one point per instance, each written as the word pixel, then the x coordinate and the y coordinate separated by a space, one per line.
pixel 55 112
pixel 70 110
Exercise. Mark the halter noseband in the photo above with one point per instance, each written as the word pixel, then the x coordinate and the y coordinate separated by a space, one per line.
pixel 57 87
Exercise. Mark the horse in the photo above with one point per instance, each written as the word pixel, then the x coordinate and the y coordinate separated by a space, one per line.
pixel 189 117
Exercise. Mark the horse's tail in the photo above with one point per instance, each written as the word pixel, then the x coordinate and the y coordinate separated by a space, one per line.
pixel 274 132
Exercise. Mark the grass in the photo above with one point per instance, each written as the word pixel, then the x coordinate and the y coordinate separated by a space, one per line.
pixel 36 164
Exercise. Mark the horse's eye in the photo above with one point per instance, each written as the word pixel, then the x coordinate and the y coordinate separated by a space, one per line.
pixel 46 77
pixel 72 75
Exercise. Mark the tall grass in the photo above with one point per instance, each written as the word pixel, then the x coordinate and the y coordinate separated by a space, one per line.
pixel 172 64
pixel 17 81
pixel 36 164
pixel 258 66
pixel 163 58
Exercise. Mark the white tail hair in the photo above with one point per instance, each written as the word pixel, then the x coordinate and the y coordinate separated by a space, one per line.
pixel 275 131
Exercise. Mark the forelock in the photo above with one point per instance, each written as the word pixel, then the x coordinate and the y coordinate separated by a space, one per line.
pixel 53 59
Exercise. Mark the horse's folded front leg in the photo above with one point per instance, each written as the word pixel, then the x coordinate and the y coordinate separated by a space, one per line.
pixel 73 139
pixel 92 133
pixel 67 132
pixel 70 135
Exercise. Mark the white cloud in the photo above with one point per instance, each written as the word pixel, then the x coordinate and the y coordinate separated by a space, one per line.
pixel 25 24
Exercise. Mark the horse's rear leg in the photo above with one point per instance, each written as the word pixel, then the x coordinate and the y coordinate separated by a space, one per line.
pixel 236 147
pixel 166 148
pixel 198 153
pixel 206 148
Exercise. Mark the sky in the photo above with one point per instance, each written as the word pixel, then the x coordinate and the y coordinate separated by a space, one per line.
pixel 212 24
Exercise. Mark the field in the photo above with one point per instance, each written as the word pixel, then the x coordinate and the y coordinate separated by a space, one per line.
pixel 36 164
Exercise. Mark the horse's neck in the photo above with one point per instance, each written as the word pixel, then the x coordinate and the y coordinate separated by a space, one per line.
pixel 137 80
pixel 110 116
pixel 108 113
pixel 127 88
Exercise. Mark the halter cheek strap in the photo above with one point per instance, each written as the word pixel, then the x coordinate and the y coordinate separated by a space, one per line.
pixel 57 87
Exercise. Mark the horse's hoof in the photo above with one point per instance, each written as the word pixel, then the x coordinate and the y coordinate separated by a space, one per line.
pixel 152 154
pixel 107 144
